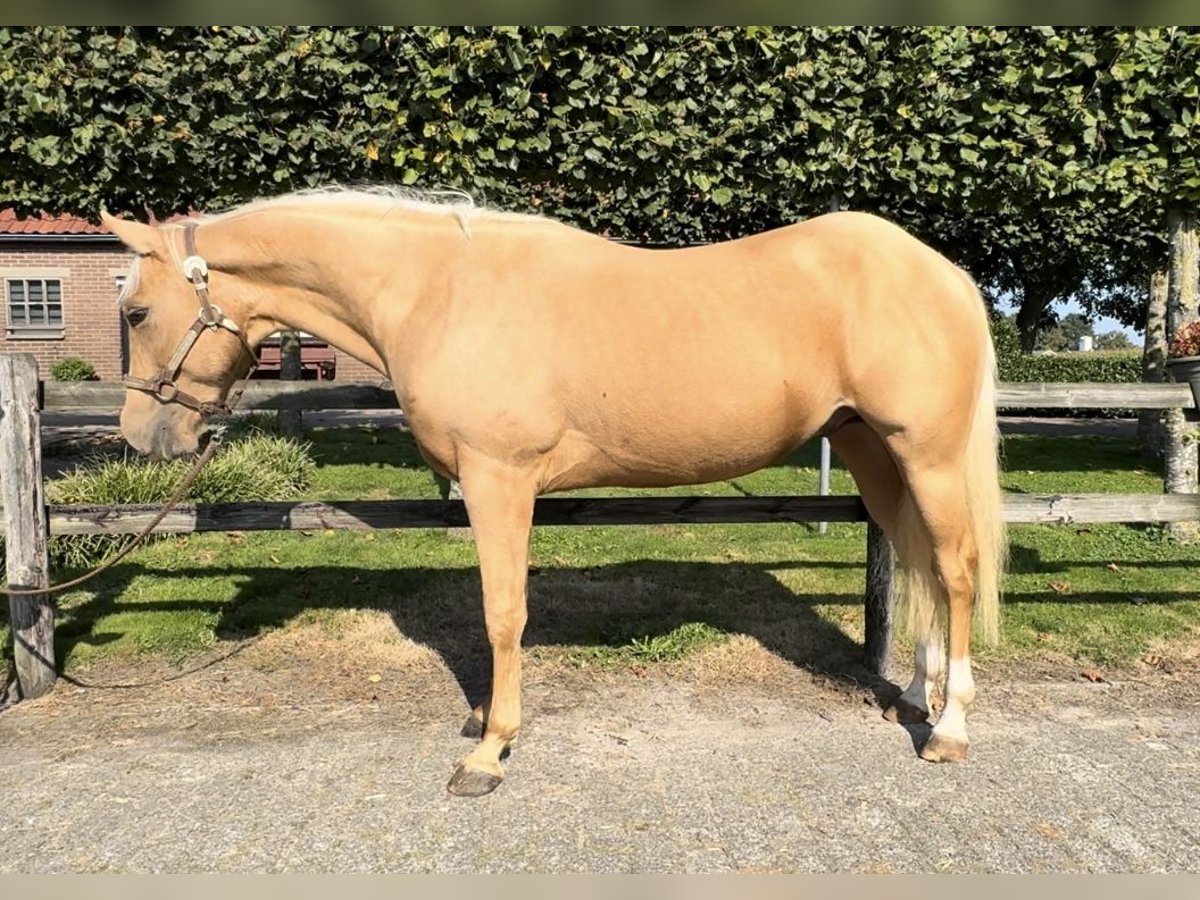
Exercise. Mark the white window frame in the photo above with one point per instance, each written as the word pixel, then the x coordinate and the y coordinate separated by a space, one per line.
pixel 35 332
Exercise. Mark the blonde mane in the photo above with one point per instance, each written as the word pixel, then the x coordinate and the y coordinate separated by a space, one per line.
pixel 459 204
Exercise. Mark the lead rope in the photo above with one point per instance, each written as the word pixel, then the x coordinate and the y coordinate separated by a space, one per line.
pixel 197 276
pixel 184 486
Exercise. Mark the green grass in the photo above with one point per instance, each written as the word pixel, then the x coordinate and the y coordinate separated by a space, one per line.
pixel 678 643
pixel 257 465
pixel 1095 595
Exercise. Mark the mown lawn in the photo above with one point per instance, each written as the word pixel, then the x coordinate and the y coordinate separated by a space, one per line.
pixel 1083 595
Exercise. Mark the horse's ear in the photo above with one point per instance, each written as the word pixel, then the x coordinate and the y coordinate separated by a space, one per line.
pixel 143 239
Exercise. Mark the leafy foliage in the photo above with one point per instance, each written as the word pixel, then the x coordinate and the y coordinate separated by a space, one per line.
pixel 1114 340
pixel 72 368
pixel 1065 334
pixel 1042 159
pixel 1186 341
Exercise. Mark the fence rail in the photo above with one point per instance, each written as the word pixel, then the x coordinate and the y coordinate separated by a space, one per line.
pixel 27 522
pixel 282 515
pixel 1083 395
pixel 105 396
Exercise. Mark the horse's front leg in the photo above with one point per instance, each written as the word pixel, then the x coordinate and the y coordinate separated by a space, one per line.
pixel 500 505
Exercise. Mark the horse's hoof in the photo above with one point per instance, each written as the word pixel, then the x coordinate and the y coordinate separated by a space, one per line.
pixel 472 782
pixel 473 728
pixel 944 749
pixel 904 713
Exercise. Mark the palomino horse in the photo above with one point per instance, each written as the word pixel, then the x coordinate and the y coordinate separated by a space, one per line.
pixel 531 357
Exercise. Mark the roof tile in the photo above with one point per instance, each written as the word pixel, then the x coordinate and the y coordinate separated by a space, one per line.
pixel 10 223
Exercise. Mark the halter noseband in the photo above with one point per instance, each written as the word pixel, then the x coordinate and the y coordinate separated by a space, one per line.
pixel 210 318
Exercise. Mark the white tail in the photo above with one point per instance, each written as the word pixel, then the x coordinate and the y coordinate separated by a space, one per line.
pixel 986 502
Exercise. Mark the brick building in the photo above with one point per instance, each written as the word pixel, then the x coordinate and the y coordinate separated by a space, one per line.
pixel 61 277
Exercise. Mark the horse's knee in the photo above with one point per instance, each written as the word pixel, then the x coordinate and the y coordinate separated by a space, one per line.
pixel 504 629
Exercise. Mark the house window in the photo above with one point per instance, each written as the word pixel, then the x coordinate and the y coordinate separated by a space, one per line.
pixel 35 307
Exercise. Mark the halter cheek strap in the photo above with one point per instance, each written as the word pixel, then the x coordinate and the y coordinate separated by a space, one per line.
pixel 210 318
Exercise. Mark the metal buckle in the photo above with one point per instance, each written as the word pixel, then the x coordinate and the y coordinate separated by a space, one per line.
pixel 216 313
pixel 166 391
pixel 195 267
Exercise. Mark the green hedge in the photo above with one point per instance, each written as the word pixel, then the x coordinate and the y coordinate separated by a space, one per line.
pixel 1111 366
pixel 1106 366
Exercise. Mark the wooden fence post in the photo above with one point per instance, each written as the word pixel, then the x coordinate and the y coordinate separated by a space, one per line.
pixel 878 600
pixel 27 564
pixel 291 421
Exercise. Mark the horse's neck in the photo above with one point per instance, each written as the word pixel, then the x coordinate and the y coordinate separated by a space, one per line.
pixel 352 281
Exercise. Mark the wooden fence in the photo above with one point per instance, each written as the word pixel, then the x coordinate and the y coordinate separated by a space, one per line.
pixel 27 521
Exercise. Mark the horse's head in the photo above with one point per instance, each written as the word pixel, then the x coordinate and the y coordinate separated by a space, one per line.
pixel 185 349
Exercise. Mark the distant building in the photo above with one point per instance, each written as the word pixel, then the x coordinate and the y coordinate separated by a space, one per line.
pixel 61 277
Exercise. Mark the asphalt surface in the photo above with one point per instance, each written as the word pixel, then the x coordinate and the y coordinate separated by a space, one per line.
pixel 612 774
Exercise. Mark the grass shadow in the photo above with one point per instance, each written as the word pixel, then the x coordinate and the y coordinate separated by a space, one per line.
pixel 1043 453
pixel 1025 560
pixel 606 606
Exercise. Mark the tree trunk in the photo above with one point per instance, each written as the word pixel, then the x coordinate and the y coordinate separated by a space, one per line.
pixel 1030 315
pixel 291 421
pixel 1180 461
pixel 1150 421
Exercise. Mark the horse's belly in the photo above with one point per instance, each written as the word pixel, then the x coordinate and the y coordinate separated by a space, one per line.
pixel 685 443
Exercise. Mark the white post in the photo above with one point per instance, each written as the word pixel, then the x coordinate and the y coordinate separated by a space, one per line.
pixel 823 483
pixel 835 205
pixel 457 534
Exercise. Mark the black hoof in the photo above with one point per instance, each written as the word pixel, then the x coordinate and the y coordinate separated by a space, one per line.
pixel 472 728
pixel 472 783
pixel 904 713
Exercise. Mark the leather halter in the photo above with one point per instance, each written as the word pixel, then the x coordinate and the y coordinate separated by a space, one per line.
pixel 210 318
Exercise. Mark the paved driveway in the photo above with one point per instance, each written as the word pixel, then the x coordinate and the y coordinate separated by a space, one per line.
pixel 235 771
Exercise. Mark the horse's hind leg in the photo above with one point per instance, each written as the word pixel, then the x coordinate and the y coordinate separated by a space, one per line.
pixel 500 505
pixel 939 493
pixel 879 483
pixel 929 665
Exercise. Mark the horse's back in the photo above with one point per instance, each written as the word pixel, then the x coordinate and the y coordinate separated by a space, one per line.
pixel 814 306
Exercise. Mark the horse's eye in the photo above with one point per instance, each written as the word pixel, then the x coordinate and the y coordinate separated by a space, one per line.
pixel 136 317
